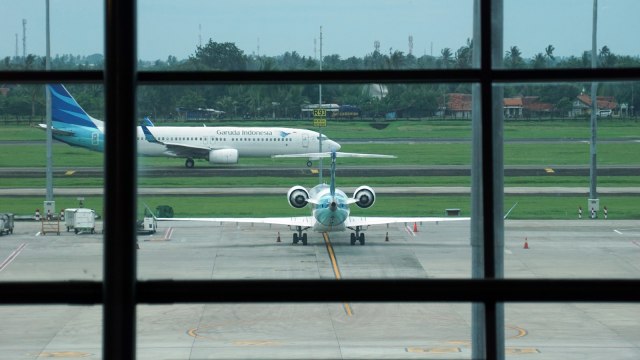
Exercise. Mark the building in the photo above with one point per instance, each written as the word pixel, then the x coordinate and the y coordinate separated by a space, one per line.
pixel 607 106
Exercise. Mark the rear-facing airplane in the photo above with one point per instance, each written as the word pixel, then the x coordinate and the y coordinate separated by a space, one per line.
pixel 216 144
pixel 329 207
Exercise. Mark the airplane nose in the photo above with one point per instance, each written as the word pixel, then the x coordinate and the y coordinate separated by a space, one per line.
pixel 333 146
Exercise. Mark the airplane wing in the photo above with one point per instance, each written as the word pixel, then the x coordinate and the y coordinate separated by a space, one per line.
pixel 304 221
pixel 178 149
pixel 184 150
pixel 354 221
pixel 57 131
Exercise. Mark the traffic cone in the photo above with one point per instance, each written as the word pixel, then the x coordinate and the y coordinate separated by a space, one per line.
pixel 278 237
pixel 415 227
pixel 526 244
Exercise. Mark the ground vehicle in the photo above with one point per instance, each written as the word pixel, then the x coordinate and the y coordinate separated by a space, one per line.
pixel 80 220
pixel 6 223
pixel 148 225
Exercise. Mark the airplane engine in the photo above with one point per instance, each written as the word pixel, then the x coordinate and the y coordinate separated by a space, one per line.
pixel 223 156
pixel 365 197
pixel 297 197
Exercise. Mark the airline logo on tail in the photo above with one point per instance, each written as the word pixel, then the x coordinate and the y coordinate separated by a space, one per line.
pixel 65 108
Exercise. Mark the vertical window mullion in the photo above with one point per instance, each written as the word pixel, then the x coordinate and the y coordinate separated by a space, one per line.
pixel 119 301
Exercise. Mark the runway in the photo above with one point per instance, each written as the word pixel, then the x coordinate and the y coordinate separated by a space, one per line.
pixel 206 170
pixel 179 250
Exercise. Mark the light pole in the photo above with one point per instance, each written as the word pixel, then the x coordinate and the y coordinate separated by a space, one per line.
pixel 593 203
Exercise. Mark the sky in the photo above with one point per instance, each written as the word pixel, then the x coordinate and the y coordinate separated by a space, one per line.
pixel 349 27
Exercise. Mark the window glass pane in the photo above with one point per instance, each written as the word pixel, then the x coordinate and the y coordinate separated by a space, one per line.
pixel 285 35
pixel 76 29
pixel 303 331
pixel 552 232
pixel 57 238
pixel 45 331
pixel 228 175
pixel 558 34
pixel 572 330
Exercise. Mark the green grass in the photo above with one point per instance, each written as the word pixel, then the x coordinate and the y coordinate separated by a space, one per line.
pixel 217 182
pixel 529 207
pixel 544 154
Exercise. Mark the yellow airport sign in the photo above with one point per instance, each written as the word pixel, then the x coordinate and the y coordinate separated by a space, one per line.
pixel 319 122
pixel 319 113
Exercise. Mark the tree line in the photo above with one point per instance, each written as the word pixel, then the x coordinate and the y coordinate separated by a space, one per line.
pixel 284 101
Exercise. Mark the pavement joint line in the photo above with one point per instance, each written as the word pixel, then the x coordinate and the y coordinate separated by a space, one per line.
pixel 12 256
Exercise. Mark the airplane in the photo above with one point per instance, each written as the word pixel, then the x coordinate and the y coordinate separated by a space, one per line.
pixel 217 144
pixel 329 207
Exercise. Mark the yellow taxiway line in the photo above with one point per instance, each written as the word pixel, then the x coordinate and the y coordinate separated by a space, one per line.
pixel 336 269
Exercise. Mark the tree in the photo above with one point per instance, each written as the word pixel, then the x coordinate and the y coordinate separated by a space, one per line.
pixel 219 56
pixel 446 57
pixel 539 61
pixel 514 58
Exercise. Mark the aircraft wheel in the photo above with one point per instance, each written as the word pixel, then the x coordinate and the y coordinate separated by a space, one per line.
pixel 309 163
pixel 189 163
pixel 295 238
pixel 353 239
pixel 304 239
pixel 361 239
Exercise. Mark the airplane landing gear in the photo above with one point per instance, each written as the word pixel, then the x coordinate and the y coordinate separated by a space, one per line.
pixel 189 163
pixel 357 236
pixel 299 236
pixel 309 163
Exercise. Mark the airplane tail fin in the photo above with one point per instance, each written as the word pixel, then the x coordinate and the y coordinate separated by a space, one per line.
pixel 332 184
pixel 65 109
pixel 149 136
pixel 147 122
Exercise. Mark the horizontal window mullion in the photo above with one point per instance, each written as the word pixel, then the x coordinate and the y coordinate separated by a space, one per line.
pixel 293 77
pixel 255 291
pixel 51 76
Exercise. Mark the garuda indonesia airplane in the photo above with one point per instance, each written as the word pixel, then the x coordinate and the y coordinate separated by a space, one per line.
pixel 216 144
pixel 329 207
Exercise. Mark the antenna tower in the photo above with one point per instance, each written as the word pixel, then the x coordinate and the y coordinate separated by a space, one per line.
pixel 410 44
pixel 376 45
pixel 200 35
pixel 16 45
pixel 24 38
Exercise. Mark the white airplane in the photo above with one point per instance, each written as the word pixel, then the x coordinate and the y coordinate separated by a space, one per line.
pixel 218 145
pixel 330 207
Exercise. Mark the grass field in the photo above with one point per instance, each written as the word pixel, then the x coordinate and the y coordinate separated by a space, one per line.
pixel 528 207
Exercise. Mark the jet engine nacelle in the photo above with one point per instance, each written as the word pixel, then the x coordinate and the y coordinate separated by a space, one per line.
pixel 297 197
pixel 223 156
pixel 365 197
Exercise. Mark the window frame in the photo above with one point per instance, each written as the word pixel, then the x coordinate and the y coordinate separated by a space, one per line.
pixel 120 291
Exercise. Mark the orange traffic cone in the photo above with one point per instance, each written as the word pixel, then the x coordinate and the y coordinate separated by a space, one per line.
pixel 278 237
pixel 415 227
pixel 526 244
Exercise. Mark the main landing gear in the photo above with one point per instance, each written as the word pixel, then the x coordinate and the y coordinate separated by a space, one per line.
pixel 309 163
pixel 189 163
pixel 357 236
pixel 299 236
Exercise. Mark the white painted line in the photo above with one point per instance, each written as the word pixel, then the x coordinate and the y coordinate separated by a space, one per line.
pixel 11 257
pixel 617 232
pixel 408 229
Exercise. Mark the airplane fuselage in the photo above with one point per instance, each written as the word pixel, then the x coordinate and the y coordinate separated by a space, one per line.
pixel 330 212
pixel 249 141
